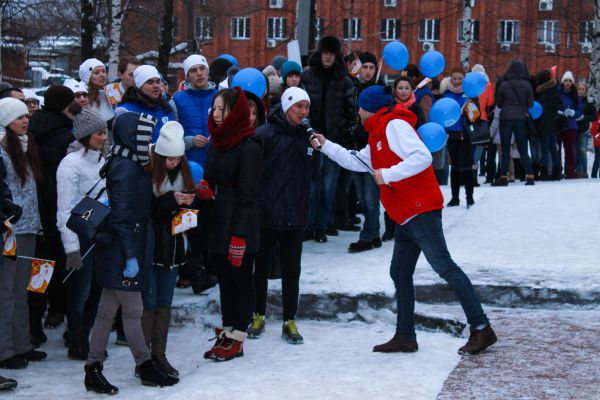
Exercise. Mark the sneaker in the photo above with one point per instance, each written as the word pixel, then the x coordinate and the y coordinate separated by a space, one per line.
pixel 219 337
pixel 33 355
pixel 151 374
pixel 14 362
pixel 121 341
pixel 398 344
pixel 231 347
pixel 331 231
pixel 377 243
pixel 361 245
pixel 320 236
pixel 257 327
pixel 53 320
pixel 453 203
pixel 289 332
pixel 479 340
pixel 7 383
pixel 95 380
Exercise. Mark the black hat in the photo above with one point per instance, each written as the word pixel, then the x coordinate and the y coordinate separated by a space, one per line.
pixel 330 44
pixel 57 98
pixel 367 57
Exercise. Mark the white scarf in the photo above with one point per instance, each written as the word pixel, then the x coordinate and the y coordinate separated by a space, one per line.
pixel 166 186
pixel 24 139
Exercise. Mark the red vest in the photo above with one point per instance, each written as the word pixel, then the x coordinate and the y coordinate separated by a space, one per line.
pixel 411 196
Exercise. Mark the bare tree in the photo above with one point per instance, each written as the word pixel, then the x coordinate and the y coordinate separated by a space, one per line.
pixel 118 11
pixel 166 38
pixel 594 78
pixel 467 34
pixel 87 29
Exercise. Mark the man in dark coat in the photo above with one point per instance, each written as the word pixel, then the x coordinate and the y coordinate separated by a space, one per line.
pixel 332 111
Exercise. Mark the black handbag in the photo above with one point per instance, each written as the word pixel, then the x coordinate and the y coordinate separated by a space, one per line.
pixel 88 216
pixel 479 132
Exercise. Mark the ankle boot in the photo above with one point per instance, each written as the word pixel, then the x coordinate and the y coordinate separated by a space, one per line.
pixel 397 344
pixel 390 228
pixel 468 177
pixel 232 346
pixel 95 380
pixel 160 332
pixel 151 374
pixel 529 180
pixel 455 187
pixel 219 337
pixel 556 173
pixel 543 176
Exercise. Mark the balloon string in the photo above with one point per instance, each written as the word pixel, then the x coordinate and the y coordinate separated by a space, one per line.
pixel 379 66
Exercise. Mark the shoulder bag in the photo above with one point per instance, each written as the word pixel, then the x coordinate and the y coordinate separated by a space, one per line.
pixel 88 216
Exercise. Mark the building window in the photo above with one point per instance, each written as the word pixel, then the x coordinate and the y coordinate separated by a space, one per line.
pixel 548 32
pixel 474 31
pixel 204 28
pixel 429 30
pixel 546 5
pixel 389 3
pixel 390 29
pixel 276 28
pixel 319 24
pixel 353 29
pixel 508 31
pixel 586 28
pixel 275 3
pixel 240 28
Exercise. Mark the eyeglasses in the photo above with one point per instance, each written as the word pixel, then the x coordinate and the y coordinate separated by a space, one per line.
pixel 31 102
pixel 84 95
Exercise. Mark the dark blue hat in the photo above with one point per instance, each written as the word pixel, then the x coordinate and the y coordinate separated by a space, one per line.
pixel 374 98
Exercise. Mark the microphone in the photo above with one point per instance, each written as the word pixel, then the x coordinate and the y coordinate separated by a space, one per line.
pixel 305 122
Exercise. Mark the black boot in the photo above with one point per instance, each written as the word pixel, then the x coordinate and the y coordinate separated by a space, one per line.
pixel 7 383
pixel 95 380
pixel 455 187
pixel 468 181
pixel 151 374
pixel 543 175
pixel 475 181
pixel 556 173
pixel 390 228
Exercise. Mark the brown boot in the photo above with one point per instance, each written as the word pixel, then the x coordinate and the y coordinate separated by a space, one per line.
pixel 397 344
pixel 147 325
pixel 160 333
pixel 479 340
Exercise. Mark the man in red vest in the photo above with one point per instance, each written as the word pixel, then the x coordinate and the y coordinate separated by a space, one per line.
pixel 401 166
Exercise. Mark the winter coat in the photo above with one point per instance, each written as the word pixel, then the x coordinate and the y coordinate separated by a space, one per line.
pixel 284 191
pixel 589 115
pixel 460 98
pixel 332 108
pixel 514 97
pixel 234 176
pixel 52 133
pixel 104 109
pixel 192 110
pixel 567 102
pixel 24 196
pixel 77 173
pixel 7 207
pixel 548 95
pixel 136 101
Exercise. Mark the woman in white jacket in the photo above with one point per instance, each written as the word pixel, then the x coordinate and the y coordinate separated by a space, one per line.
pixel 77 173
pixel 92 72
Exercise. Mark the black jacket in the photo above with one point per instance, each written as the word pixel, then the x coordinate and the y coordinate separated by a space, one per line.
pixel 284 190
pixel 590 114
pixel 515 95
pixel 7 207
pixel 234 176
pixel 548 96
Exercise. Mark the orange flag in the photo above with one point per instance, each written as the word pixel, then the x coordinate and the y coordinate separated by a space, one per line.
pixel 184 220
pixel 10 242
pixel 41 273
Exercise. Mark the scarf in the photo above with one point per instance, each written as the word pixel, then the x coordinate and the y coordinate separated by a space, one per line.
pixel 234 128
pixel 23 139
pixel 141 142
pixel 406 104
pixel 169 185
pixel 455 89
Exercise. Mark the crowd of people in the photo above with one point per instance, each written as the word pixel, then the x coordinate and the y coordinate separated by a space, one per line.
pixel 268 186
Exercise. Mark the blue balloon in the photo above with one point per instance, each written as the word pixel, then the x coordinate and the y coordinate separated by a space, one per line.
pixel 197 171
pixel 230 58
pixel 536 110
pixel 432 63
pixel 474 84
pixel 395 54
pixel 252 80
pixel 445 112
pixel 433 135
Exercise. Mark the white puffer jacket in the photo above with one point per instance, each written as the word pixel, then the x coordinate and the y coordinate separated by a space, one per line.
pixel 76 175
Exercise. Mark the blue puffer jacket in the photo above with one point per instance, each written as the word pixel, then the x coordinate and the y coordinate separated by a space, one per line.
pixel 135 101
pixel 460 99
pixel 567 102
pixel 192 109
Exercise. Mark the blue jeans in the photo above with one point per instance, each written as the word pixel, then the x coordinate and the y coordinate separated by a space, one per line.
pixel 424 233
pixel 581 152
pixel 535 147
pixel 368 195
pixel 508 127
pixel 549 151
pixel 322 194
pixel 161 284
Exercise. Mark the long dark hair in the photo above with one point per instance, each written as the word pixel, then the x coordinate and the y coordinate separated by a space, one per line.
pixel 22 161
pixel 572 93
pixel 159 172
pixel 229 97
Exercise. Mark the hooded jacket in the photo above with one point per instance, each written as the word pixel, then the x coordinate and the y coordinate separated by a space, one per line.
pixel 515 95
pixel 135 101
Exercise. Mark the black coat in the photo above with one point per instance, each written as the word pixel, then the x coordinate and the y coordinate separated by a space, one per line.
pixel 590 114
pixel 234 176
pixel 284 190
pixel 548 96
pixel 7 207
pixel 128 232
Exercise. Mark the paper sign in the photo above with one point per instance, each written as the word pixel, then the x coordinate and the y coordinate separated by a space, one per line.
pixel 472 111
pixel 184 220
pixel 41 273
pixel 356 66
pixel 113 91
pixel 10 242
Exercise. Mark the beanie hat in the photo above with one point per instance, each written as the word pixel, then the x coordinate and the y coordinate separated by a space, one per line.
pixel 57 98
pixel 5 87
pixel 367 57
pixel 567 75
pixel 170 141
pixel 85 69
pixel 288 67
pixel 87 123
pixel 291 96
pixel 30 94
pixel 218 69
pixel 278 61
pixel 330 44
pixel 194 59
pixel 10 110
pixel 481 69
pixel 76 86
pixel 143 73
pixel 374 98
pixel 269 71
pixel 274 84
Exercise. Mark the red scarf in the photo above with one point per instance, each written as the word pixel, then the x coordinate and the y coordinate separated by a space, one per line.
pixel 406 104
pixel 234 128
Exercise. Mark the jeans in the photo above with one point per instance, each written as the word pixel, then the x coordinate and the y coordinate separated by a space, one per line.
pixel 535 147
pixel 567 139
pixel 161 284
pixel 550 151
pixel 368 195
pixel 491 162
pixel 82 295
pixel 508 127
pixel 581 151
pixel 322 194
pixel 424 233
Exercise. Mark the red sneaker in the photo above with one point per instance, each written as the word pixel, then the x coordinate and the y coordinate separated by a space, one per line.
pixel 219 336
pixel 231 347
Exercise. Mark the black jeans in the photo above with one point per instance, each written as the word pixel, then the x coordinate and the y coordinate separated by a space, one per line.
pixel 290 242
pixel 236 290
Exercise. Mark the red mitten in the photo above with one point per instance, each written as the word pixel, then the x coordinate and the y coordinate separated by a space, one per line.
pixel 237 248
pixel 204 191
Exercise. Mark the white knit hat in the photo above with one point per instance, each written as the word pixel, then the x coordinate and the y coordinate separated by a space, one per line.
pixel 143 73
pixel 10 110
pixel 170 141
pixel 85 69
pixel 567 75
pixel 291 96
pixel 76 86
pixel 194 59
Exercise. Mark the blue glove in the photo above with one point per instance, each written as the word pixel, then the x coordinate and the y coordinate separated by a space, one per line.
pixel 132 269
pixel 569 112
